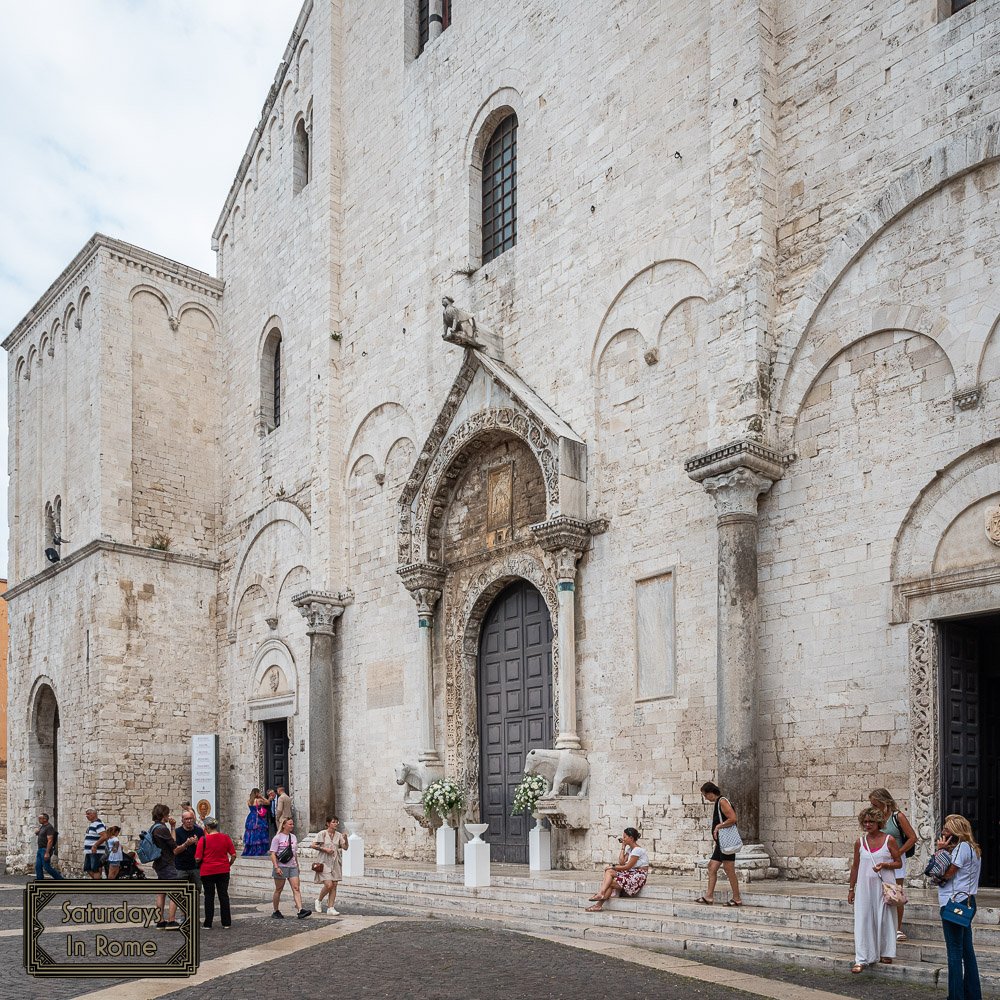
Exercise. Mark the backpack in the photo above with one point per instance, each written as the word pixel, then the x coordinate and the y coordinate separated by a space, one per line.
pixel 148 849
pixel 913 849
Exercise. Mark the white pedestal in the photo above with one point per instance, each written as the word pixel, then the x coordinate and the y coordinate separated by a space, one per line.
pixel 539 849
pixel 353 859
pixel 445 842
pixel 477 857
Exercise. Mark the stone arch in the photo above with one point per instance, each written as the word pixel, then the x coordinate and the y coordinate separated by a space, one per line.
pixel 955 488
pixel 948 161
pixel 985 331
pixel 641 305
pixel 454 457
pixel 199 308
pixel 265 700
pixel 273 513
pixel 464 623
pixel 44 345
pixel 19 369
pixel 156 293
pixel 252 586
pixel 367 436
pixel 303 66
pixel 917 322
pixel 33 361
pixel 43 746
pixel 297 587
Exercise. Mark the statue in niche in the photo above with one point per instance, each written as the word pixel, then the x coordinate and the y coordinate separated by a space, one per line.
pixel 459 326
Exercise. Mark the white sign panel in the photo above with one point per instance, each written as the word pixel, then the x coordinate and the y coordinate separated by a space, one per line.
pixel 205 774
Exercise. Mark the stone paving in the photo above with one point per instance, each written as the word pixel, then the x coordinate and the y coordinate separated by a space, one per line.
pixel 428 959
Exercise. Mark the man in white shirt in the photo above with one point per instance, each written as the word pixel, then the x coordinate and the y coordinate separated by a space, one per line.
pixel 93 845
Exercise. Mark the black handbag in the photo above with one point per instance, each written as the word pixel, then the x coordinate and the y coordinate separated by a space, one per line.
pixel 285 854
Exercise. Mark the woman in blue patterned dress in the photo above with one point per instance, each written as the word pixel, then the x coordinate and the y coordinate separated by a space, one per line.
pixel 256 841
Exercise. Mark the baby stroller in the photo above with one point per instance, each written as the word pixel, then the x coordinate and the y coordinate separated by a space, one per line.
pixel 129 869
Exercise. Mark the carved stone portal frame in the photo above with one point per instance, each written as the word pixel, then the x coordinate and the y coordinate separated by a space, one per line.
pixel 925 736
pixel 467 602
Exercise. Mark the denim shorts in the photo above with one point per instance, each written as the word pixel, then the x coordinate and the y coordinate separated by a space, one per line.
pixel 287 871
pixel 93 862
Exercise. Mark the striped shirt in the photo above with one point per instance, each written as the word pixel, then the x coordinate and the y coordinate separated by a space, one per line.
pixel 93 834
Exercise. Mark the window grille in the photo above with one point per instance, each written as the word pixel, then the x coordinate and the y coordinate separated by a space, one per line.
pixel 500 190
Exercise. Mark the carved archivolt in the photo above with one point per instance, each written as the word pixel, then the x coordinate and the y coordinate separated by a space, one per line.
pixel 924 763
pixel 466 603
pixel 419 524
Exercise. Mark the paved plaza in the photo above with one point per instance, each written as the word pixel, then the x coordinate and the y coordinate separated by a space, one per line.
pixel 367 954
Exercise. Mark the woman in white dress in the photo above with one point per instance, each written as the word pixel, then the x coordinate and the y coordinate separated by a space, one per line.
pixel 874 922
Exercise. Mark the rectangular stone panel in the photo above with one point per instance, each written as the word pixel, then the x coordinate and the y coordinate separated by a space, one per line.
pixel 654 637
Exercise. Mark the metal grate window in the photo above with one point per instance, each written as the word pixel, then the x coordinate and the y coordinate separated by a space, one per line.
pixel 500 190
pixel 277 384
pixel 424 21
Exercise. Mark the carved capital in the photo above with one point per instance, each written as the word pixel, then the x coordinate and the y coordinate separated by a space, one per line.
pixel 968 397
pixel 741 454
pixel 735 493
pixel 426 598
pixel 422 576
pixel 321 609
pixel 174 322
pixel 565 539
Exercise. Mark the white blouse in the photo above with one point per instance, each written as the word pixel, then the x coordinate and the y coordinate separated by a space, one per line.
pixel 639 853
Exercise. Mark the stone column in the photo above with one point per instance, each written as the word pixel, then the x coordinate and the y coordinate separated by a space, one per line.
pixel 321 611
pixel 735 476
pixel 565 540
pixel 435 23
pixel 424 582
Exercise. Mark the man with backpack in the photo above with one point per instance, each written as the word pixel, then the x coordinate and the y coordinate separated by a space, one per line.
pixel 47 837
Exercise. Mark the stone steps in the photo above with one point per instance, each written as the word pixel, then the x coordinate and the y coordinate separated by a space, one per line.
pixel 798 926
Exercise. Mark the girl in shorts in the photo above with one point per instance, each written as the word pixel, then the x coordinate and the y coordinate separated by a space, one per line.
pixel 285 862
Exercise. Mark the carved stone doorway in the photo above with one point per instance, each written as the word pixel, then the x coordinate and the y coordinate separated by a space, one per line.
pixel 970 741
pixel 514 685
pixel 276 754
pixel 45 752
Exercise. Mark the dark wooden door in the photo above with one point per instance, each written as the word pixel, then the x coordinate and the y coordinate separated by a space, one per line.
pixel 515 710
pixel 276 754
pixel 960 735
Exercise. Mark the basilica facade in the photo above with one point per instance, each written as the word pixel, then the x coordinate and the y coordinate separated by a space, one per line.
pixel 614 381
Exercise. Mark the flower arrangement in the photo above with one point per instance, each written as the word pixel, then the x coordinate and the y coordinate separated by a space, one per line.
pixel 530 789
pixel 443 797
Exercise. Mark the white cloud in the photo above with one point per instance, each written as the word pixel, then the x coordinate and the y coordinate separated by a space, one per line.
pixel 128 118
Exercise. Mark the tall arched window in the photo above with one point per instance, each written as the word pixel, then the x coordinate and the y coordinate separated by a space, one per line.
pixel 300 165
pixel 500 189
pixel 270 382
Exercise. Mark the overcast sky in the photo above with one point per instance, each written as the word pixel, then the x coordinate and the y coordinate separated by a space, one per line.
pixel 127 117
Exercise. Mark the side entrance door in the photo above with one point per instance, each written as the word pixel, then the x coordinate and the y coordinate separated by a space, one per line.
pixel 276 753
pixel 515 709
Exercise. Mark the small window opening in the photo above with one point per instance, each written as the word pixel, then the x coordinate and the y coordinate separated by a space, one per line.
pixel 426 20
pixel 300 166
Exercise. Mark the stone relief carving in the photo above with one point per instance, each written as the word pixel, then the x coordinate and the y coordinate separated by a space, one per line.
pixel 417 536
pixel 459 326
pixel 924 764
pixel 415 778
pixel 321 609
pixel 736 492
pixel 993 525
pixel 466 604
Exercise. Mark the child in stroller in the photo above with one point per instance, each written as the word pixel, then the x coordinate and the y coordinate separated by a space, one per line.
pixel 121 863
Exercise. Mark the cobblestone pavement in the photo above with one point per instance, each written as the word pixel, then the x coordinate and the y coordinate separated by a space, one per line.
pixel 426 959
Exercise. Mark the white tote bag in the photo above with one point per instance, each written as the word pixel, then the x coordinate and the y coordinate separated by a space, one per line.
pixel 730 841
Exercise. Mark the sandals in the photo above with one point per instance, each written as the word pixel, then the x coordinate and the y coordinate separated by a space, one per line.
pixel 885 961
pixel 857 968
pixel 735 902
pixel 706 902
pixel 900 936
pixel 596 908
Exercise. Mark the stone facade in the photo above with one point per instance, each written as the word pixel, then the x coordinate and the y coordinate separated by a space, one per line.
pixel 745 346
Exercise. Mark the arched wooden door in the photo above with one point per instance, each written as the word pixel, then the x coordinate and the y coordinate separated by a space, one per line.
pixel 515 709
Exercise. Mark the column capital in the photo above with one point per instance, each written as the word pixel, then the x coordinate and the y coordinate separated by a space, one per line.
pixel 565 539
pixel 736 492
pixel 321 609
pixel 744 453
pixel 422 576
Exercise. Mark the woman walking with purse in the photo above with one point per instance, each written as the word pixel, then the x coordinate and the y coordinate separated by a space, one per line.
pixel 285 862
pixel 723 818
pixel 895 823
pixel 329 871
pixel 874 912
pixel 957 897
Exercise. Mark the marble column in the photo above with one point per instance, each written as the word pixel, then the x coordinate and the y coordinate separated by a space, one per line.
pixel 565 540
pixel 321 611
pixel 424 582
pixel 735 477
pixel 435 22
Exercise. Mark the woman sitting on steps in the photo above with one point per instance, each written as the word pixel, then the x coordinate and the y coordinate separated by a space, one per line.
pixel 629 875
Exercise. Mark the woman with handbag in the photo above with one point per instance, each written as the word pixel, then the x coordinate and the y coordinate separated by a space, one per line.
pixel 874 899
pixel 957 897
pixel 628 876
pixel 727 842
pixel 285 862
pixel 895 823
pixel 328 871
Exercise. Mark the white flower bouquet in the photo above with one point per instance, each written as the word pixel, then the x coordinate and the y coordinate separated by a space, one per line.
pixel 443 797
pixel 530 789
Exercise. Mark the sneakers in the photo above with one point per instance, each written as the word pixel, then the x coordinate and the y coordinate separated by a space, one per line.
pixel 161 924
pixel 304 913
pixel 331 910
pixel 317 906
pixel 278 915
pixel 171 925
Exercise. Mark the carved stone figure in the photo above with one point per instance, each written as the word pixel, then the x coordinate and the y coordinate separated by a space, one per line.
pixel 993 525
pixel 414 778
pixel 560 768
pixel 459 325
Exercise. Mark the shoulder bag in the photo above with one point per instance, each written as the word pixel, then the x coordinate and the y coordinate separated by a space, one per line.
pixel 730 841
pixel 286 854
pixel 939 863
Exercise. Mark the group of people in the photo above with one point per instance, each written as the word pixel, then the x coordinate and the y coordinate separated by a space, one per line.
pixel 878 873
pixel 104 854
pixel 265 814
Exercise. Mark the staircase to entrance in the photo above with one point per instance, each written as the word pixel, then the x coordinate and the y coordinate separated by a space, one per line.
pixel 780 923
